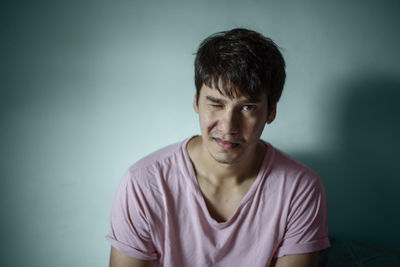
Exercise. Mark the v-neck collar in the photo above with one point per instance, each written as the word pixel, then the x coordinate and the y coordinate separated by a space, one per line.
pixel 265 165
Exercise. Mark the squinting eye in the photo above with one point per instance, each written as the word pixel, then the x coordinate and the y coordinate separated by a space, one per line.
pixel 215 106
pixel 249 107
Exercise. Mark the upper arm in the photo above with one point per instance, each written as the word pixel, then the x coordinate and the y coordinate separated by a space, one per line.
pixel 119 259
pixel 298 260
pixel 305 226
pixel 130 231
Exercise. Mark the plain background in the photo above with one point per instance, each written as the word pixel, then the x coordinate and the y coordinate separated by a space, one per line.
pixel 90 87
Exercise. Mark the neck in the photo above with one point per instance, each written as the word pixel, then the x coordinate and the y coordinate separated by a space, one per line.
pixel 220 173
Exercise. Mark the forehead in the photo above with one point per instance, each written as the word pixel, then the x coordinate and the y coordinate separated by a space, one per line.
pixel 232 94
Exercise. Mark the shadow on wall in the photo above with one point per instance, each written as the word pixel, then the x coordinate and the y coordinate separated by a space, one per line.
pixel 362 181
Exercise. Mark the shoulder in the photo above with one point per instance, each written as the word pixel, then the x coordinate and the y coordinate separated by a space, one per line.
pixel 285 169
pixel 159 156
pixel 300 200
pixel 156 164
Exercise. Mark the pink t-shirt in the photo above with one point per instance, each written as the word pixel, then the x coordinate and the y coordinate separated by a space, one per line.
pixel 159 213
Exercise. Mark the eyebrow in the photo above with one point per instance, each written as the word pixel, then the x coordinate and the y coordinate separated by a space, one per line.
pixel 222 101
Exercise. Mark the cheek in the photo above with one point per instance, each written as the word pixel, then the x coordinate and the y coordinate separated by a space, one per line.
pixel 206 121
pixel 254 128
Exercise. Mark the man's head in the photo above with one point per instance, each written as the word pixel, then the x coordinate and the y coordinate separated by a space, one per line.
pixel 239 77
pixel 241 62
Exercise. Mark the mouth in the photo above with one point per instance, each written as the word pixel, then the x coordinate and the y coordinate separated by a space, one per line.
pixel 226 144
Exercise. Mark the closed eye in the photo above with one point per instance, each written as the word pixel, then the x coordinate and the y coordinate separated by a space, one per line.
pixel 215 105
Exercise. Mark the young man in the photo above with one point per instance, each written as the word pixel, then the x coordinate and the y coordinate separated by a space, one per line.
pixel 224 198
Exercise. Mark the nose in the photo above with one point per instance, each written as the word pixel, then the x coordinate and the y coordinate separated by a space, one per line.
pixel 229 122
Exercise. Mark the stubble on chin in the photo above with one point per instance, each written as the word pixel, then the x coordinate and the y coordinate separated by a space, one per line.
pixel 223 157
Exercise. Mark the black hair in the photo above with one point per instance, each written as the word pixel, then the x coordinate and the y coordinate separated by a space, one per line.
pixel 241 61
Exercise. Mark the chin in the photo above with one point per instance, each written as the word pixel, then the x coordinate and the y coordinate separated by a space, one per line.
pixel 223 159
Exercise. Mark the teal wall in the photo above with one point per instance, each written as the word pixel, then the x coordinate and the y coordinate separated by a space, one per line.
pixel 89 87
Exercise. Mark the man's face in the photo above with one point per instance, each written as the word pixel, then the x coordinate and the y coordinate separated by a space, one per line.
pixel 231 127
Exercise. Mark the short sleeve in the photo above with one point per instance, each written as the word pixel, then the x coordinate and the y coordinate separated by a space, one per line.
pixel 307 228
pixel 130 233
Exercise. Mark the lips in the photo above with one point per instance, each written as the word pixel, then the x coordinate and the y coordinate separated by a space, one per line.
pixel 226 144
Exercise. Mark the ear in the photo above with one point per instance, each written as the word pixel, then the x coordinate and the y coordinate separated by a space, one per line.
pixel 272 115
pixel 195 104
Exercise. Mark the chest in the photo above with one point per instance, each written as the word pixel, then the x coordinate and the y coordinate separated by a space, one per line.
pixel 223 201
pixel 188 230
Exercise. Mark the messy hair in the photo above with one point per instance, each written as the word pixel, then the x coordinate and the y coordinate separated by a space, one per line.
pixel 240 61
